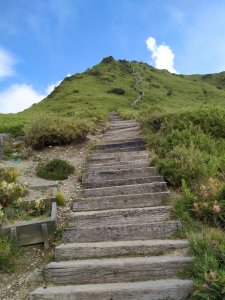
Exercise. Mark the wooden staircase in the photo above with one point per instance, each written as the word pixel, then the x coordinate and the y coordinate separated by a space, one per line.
pixel 117 245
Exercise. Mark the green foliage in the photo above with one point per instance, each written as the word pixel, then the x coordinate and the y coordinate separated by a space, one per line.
pixel 8 254
pixel 206 246
pixel 24 210
pixel 8 149
pixel 36 208
pixel 8 174
pixel 213 288
pixel 55 169
pixel 47 131
pixel 117 91
pixel 108 60
pixel 60 199
pixel 207 268
pixel 188 144
pixel 11 192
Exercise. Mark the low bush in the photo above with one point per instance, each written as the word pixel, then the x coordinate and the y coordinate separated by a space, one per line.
pixel 60 199
pixel 55 169
pixel 8 149
pixel 8 174
pixel 24 210
pixel 11 192
pixel 213 288
pixel 206 204
pixel 8 254
pixel 47 131
pixel 117 91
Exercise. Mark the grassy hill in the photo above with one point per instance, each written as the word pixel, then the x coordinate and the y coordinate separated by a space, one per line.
pixel 183 122
pixel 87 95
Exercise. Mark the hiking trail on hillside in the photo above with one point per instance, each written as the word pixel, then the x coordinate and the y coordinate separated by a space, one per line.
pixel 117 243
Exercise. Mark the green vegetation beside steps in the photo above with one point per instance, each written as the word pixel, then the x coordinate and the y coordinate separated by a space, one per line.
pixel 55 169
pixel 47 131
pixel 189 150
pixel 8 254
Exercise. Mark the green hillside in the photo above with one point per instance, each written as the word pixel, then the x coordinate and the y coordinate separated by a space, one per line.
pixel 183 123
pixel 87 95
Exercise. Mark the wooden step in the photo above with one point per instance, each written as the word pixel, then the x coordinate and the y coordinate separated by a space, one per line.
pixel 125 134
pixel 117 158
pixel 116 166
pixel 142 161
pixel 128 148
pixel 130 172
pixel 121 201
pixel 108 270
pixel 73 251
pixel 118 155
pixel 119 216
pixel 125 189
pixel 121 144
pixel 119 182
pixel 142 290
pixel 124 232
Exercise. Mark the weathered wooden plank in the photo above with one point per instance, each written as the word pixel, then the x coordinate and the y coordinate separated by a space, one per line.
pixel 115 270
pixel 30 232
pixel 134 248
pixel 119 216
pixel 125 190
pixel 145 290
pixel 156 230
pixel 120 201
pixel 120 182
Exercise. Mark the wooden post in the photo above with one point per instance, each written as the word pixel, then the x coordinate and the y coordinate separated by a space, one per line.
pixel 14 234
pixel 44 229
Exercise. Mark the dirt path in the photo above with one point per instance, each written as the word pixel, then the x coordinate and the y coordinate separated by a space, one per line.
pixel 28 270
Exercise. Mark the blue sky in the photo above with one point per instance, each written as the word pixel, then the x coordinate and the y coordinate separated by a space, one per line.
pixel 42 41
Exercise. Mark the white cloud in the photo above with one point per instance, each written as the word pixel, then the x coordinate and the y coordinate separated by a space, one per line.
pixel 162 55
pixel 18 97
pixel 50 88
pixel 7 62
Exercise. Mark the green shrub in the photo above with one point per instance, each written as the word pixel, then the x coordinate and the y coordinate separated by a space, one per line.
pixel 8 253
pixel 210 120
pixel 55 169
pixel 117 91
pixel 8 174
pixel 207 247
pixel 11 192
pixel 108 60
pixel 213 288
pixel 187 163
pixel 8 149
pixel 47 131
pixel 60 199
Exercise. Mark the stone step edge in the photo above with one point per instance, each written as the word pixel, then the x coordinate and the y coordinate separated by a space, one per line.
pixel 125 149
pixel 127 269
pixel 131 169
pixel 136 260
pixel 127 186
pixel 167 193
pixel 94 165
pixel 121 181
pixel 111 249
pixel 154 230
pixel 151 289
pixel 109 244
pixel 94 203
pixel 137 209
